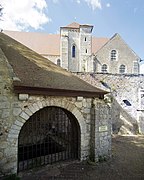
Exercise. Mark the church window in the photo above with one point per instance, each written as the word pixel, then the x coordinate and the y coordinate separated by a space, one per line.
pixel 86 51
pixel 85 39
pixel 104 68
pixel 58 62
pixel 73 51
pixel 113 55
pixel 122 69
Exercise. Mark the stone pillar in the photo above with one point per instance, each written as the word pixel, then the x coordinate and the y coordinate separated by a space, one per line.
pixel 100 149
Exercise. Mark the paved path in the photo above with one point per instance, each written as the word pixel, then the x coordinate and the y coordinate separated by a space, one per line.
pixel 127 163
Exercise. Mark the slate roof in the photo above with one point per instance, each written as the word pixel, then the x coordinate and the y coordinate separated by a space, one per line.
pixel 40 76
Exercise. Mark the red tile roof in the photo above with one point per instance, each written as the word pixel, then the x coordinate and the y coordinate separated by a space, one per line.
pixel 74 25
pixel 98 43
pixel 42 43
pixel 49 44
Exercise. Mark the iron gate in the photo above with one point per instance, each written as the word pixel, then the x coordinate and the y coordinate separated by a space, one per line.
pixel 50 135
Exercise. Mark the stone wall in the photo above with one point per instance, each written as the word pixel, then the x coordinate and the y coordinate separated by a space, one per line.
pixel 21 112
pixel 124 91
pixel 16 109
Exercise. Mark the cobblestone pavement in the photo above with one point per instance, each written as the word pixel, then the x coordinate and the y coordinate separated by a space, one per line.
pixel 127 163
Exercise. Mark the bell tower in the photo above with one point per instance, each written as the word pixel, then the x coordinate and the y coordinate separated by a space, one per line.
pixel 75 47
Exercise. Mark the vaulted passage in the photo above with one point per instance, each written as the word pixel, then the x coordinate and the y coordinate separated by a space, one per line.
pixel 52 134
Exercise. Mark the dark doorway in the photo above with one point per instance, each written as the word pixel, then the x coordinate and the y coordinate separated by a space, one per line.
pixel 50 135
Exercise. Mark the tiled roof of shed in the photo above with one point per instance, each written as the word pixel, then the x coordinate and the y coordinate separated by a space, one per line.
pixel 40 76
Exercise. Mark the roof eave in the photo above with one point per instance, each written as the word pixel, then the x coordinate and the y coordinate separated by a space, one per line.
pixel 57 92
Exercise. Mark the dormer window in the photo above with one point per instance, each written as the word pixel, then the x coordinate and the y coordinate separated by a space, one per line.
pixel 113 55
pixel 73 51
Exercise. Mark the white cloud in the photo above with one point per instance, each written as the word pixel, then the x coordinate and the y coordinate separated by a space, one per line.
pixel 108 5
pixel 94 4
pixel 78 1
pixel 21 15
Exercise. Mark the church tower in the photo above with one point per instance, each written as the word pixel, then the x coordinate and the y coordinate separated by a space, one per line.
pixel 76 47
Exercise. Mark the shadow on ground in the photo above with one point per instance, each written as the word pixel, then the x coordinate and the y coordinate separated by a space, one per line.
pixel 127 163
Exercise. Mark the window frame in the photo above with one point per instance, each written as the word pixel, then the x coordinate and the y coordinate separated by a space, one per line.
pixel 121 68
pixel 104 68
pixel 73 51
pixel 113 55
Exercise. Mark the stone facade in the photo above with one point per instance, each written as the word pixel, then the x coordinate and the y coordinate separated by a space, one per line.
pixel 79 38
pixel 125 97
pixel 92 54
pixel 16 109
pixel 123 56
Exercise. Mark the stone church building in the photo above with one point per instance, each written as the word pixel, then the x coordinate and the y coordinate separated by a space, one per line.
pixel 47 114
pixel 62 94
pixel 76 50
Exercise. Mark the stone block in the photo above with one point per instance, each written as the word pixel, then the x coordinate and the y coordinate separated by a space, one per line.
pixel 13 136
pixel 39 103
pixel 79 98
pixel 16 111
pixel 15 127
pixel 23 97
pixel 5 105
pixel 32 109
pixel 36 107
pixel 18 123
pixel 5 113
pixel 78 104
pixel 24 115
pixel 1 155
pixel 27 111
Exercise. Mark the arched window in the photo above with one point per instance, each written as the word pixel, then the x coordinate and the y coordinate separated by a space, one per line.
pixel 113 55
pixel 122 69
pixel 104 68
pixel 58 62
pixel 73 51
pixel 85 39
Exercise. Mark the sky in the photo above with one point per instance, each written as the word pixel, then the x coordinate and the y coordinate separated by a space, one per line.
pixel 107 16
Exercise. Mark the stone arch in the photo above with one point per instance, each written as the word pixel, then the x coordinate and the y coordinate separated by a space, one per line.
pixel 31 109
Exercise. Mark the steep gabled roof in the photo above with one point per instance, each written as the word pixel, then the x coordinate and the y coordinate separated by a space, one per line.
pixel 40 76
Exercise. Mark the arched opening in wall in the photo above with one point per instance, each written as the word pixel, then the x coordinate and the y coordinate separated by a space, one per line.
pixel 50 135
